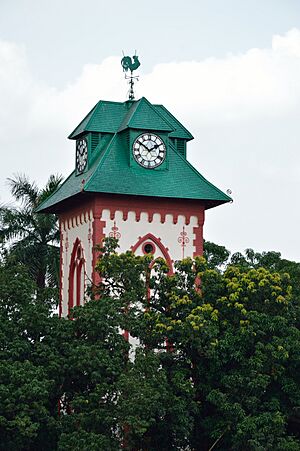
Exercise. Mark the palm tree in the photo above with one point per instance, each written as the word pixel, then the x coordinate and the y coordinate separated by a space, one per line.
pixel 31 238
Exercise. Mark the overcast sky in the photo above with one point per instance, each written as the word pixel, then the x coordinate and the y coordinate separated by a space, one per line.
pixel 228 70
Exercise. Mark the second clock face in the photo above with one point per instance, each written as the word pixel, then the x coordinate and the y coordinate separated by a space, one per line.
pixel 81 154
pixel 149 150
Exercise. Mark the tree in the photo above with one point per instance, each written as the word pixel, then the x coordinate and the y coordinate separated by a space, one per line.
pixel 227 354
pixel 216 256
pixel 27 369
pixel 214 366
pixel 273 262
pixel 239 334
pixel 32 238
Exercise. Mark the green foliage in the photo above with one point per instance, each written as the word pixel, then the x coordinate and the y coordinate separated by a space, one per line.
pixel 215 364
pixel 215 255
pixel 25 384
pixel 28 237
pixel 271 261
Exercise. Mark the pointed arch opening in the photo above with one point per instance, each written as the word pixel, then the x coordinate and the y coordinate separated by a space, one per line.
pixel 149 240
pixel 76 276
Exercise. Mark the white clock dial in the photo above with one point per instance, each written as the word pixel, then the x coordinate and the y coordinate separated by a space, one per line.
pixel 81 154
pixel 149 150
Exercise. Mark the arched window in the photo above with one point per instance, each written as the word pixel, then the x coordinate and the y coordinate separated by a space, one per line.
pixel 76 276
pixel 149 244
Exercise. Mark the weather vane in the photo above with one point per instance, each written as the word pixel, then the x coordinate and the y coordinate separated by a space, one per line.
pixel 130 64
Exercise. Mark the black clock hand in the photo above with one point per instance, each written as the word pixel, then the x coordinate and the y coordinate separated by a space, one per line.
pixel 148 150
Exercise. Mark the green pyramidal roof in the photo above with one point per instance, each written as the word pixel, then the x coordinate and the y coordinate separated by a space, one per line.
pixel 111 117
pixel 111 173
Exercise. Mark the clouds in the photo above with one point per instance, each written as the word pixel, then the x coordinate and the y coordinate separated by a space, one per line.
pixel 243 110
pixel 288 44
pixel 260 82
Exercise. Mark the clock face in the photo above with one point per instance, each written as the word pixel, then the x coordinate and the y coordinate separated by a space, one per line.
pixel 149 150
pixel 81 154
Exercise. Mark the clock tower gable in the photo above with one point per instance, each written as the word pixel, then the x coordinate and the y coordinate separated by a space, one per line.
pixel 111 130
pixel 142 115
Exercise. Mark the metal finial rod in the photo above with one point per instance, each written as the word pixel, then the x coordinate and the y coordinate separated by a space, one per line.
pixel 131 91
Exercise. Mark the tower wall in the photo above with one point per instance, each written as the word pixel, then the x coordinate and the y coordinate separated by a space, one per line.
pixel 173 229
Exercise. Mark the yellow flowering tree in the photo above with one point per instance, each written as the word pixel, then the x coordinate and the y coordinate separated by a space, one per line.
pixel 237 332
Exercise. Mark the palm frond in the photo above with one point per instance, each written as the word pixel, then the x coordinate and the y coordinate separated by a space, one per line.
pixel 28 237
pixel 23 190
pixel 52 185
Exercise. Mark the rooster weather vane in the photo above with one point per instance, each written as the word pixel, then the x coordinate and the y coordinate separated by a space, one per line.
pixel 130 64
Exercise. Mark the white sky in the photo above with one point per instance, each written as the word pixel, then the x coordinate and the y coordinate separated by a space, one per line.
pixel 229 71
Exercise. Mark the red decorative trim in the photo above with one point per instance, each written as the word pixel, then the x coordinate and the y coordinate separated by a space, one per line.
pixel 157 241
pixel 198 232
pixel 76 263
pixel 115 232
pixel 142 204
pixel 78 282
pixel 71 282
pixel 71 214
pixel 183 239
pixel 61 270
pixel 98 236
pixel 90 236
pixel 67 242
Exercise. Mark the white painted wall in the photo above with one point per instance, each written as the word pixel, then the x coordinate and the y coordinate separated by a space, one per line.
pixel 131 230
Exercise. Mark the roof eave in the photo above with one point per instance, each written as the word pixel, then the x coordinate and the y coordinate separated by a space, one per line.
pixel 60 206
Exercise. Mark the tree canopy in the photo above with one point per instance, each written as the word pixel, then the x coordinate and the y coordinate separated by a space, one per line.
pixel 153 361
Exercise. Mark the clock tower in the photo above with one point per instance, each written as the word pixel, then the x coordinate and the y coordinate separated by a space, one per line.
pixel 131 181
